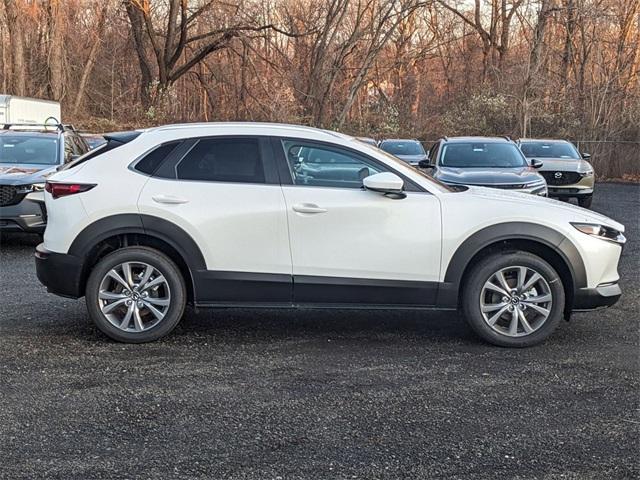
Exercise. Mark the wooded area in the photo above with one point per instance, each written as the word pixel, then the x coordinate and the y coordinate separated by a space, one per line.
pixel 558 68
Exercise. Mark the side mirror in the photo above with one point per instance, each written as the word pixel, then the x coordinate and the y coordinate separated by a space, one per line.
pixel 535 163
pixel 586 156
pixel 386 182
pixel 425 164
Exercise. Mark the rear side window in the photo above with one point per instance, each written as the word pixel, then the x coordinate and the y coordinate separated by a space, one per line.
pixel 152 160
pixel 223 160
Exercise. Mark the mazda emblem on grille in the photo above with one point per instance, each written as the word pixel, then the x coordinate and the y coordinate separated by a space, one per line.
pixel 558 175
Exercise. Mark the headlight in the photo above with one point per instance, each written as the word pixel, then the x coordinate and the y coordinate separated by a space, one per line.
pixel 587 173
pixel 37 187
pixel 601 231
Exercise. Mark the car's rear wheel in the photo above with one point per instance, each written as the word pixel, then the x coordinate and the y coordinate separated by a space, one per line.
pixel 513 299
pixel 585 201
pixel 136 295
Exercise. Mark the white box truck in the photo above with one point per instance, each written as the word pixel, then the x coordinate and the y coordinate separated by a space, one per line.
pixel 28 110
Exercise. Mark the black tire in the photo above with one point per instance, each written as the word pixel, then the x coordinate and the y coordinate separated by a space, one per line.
pixel 472 296
pixel 585 202
pixel 162 264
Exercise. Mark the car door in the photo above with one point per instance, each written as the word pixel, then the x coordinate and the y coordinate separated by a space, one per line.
pixel 350 245
pixel 224 192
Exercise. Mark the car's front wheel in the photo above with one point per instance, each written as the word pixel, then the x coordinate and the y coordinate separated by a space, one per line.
pixel 513 299
pixel 136 295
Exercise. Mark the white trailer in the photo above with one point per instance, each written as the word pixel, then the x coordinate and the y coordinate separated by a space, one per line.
pixel 28 110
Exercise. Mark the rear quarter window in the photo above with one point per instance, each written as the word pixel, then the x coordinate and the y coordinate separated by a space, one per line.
pixel 152 160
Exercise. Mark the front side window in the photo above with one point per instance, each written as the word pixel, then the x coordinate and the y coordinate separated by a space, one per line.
pixel 482 155
pixel 549 150
pixel 223 160
pixel 325 166
pixel 37 150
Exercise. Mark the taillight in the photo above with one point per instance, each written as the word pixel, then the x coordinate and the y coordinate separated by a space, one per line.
pixel 58 190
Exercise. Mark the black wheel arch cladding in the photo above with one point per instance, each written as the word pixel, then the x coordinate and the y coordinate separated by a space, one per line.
pixel 130 224
pixel 514 231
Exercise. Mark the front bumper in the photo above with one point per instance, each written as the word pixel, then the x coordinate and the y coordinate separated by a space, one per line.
pixel 27 216
pixel 602 296
pixel 570 191
pixel 581 188
pixel 61 273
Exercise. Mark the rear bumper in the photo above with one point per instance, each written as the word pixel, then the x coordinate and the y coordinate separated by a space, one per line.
pixel 602 296
pixel 27 216
pixel 59 272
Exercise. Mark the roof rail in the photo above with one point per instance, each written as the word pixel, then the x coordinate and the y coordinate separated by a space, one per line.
pixel 507 137
pixel 57 126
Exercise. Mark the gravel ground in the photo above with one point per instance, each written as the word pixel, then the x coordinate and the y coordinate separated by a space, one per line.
pixel 317 394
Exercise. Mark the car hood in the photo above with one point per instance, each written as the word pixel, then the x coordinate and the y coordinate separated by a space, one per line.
pixel 487 176
pixel 412 158
pixel 579 214
pixel 23 174
pixel 565 164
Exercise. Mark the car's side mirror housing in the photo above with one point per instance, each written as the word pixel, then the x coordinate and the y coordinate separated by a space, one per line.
pixel 425 164
pixel 535 163
pixel 387 183
pixel 586 155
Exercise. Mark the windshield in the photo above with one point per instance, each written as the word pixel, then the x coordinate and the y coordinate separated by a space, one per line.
pixel 437 183
pixel 549 150
pixel 482 155
pixel 402 148
pixel 38 150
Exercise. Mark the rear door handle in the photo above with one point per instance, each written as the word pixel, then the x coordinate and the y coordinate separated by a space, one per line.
pixel 308 208
pixel 169 199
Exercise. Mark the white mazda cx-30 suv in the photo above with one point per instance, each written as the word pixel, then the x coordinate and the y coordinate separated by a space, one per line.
pixel 267 215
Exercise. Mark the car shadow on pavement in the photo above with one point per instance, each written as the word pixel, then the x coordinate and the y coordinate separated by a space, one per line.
pixel 229 325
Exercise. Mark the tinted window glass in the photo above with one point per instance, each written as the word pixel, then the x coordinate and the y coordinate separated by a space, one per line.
pixel 327 166
pixel 549 150
pixel 150 163
pixel 487 155
pixel 223 160
pixel 69 151
pixel 39 150
pixel 402 148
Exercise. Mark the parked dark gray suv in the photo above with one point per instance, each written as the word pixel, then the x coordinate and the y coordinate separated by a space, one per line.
pixel 494 162
pixel 28 154
pixel 407 150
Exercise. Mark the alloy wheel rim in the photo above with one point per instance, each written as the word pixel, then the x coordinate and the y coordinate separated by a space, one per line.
pixel 134 296
pixel 516 301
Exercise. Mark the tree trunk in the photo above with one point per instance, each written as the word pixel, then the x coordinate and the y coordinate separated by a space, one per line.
pixel 18 84
pixel 55 61
pixel 93 54
pixel 136 18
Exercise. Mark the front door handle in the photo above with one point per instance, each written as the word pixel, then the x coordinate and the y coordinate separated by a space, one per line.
pixel 308 208
pixel 169 199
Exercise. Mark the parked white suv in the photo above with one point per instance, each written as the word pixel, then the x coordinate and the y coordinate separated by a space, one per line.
pixel 267 215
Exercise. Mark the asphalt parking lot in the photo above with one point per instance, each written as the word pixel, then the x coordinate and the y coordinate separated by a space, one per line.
pixel 317 394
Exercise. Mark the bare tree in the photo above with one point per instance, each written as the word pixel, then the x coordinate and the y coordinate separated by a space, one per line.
pixel 18 83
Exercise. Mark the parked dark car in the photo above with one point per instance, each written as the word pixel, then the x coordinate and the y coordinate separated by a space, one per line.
pixel 93 140
pixel 494 162
pixel 28 155
pixel 410 151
